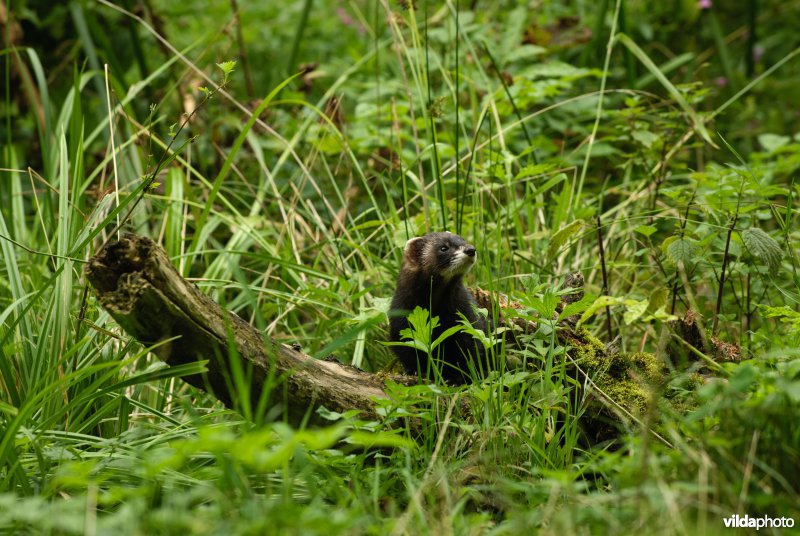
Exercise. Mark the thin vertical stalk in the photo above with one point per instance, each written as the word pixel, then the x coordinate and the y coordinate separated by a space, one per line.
pixel 584 169
pixel 458 168
pixel 732 227
pixel 298 36
pixel 748 316
pixel 725 256
pixel 752 21
pixel 605 276
pixel 677 274
pixel 251 89
pixel 630 65
pixel 437 176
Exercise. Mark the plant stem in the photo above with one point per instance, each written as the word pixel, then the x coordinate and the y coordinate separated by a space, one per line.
pixel 605 277
pixel 298 36
pixel 715 324
pixel 251 90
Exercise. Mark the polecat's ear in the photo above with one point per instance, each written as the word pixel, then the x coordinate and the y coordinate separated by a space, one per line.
pixel 412 254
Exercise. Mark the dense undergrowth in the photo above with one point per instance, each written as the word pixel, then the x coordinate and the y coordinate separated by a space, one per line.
pixel 651 148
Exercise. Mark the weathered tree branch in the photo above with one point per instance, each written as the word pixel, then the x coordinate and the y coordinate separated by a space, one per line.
pixel 136 283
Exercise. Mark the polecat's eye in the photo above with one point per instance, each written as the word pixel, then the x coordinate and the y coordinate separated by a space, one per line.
pixel 443 248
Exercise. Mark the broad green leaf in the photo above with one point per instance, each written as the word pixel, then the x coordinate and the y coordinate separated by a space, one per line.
pixel 546 305
pixel 681 251
pixel 764 248
pixel 445 334
pixel 578 306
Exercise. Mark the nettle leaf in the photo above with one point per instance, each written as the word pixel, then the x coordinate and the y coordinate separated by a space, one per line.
pixel 418 335
pixel 681 251
pixel 763 247
pixel 578 307
pixel 419 320
pixel 561 236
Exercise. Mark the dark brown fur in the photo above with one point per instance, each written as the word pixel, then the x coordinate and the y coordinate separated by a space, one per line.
pixel 432 278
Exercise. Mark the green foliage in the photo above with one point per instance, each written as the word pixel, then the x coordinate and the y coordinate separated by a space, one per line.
pixel 283 152
pixel 680 251
pixel 764 248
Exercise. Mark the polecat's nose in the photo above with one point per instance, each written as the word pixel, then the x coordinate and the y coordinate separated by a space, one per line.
pixel 470 251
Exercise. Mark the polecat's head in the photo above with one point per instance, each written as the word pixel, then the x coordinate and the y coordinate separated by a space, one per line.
pixel 443 254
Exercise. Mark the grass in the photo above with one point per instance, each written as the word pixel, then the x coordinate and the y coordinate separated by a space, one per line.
pixel 292 212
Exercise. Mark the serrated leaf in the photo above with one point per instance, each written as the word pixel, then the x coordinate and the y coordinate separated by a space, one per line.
pixel 532 170
pixel 227 68
pixel 578 306
pixel 763 247
pixel 784 313
pixel 561 236
pixel 681 251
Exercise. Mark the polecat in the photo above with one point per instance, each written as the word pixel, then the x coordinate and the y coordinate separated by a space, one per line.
pixel 431 277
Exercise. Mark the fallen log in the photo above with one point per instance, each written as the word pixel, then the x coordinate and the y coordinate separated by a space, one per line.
pixel 136 283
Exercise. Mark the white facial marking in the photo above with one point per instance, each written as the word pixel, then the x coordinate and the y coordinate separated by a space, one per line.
pixel 459 265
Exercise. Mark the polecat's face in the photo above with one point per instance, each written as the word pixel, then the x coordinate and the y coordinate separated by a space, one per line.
pixel 445 254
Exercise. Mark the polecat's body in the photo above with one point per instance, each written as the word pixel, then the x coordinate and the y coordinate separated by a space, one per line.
pixel 432 278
